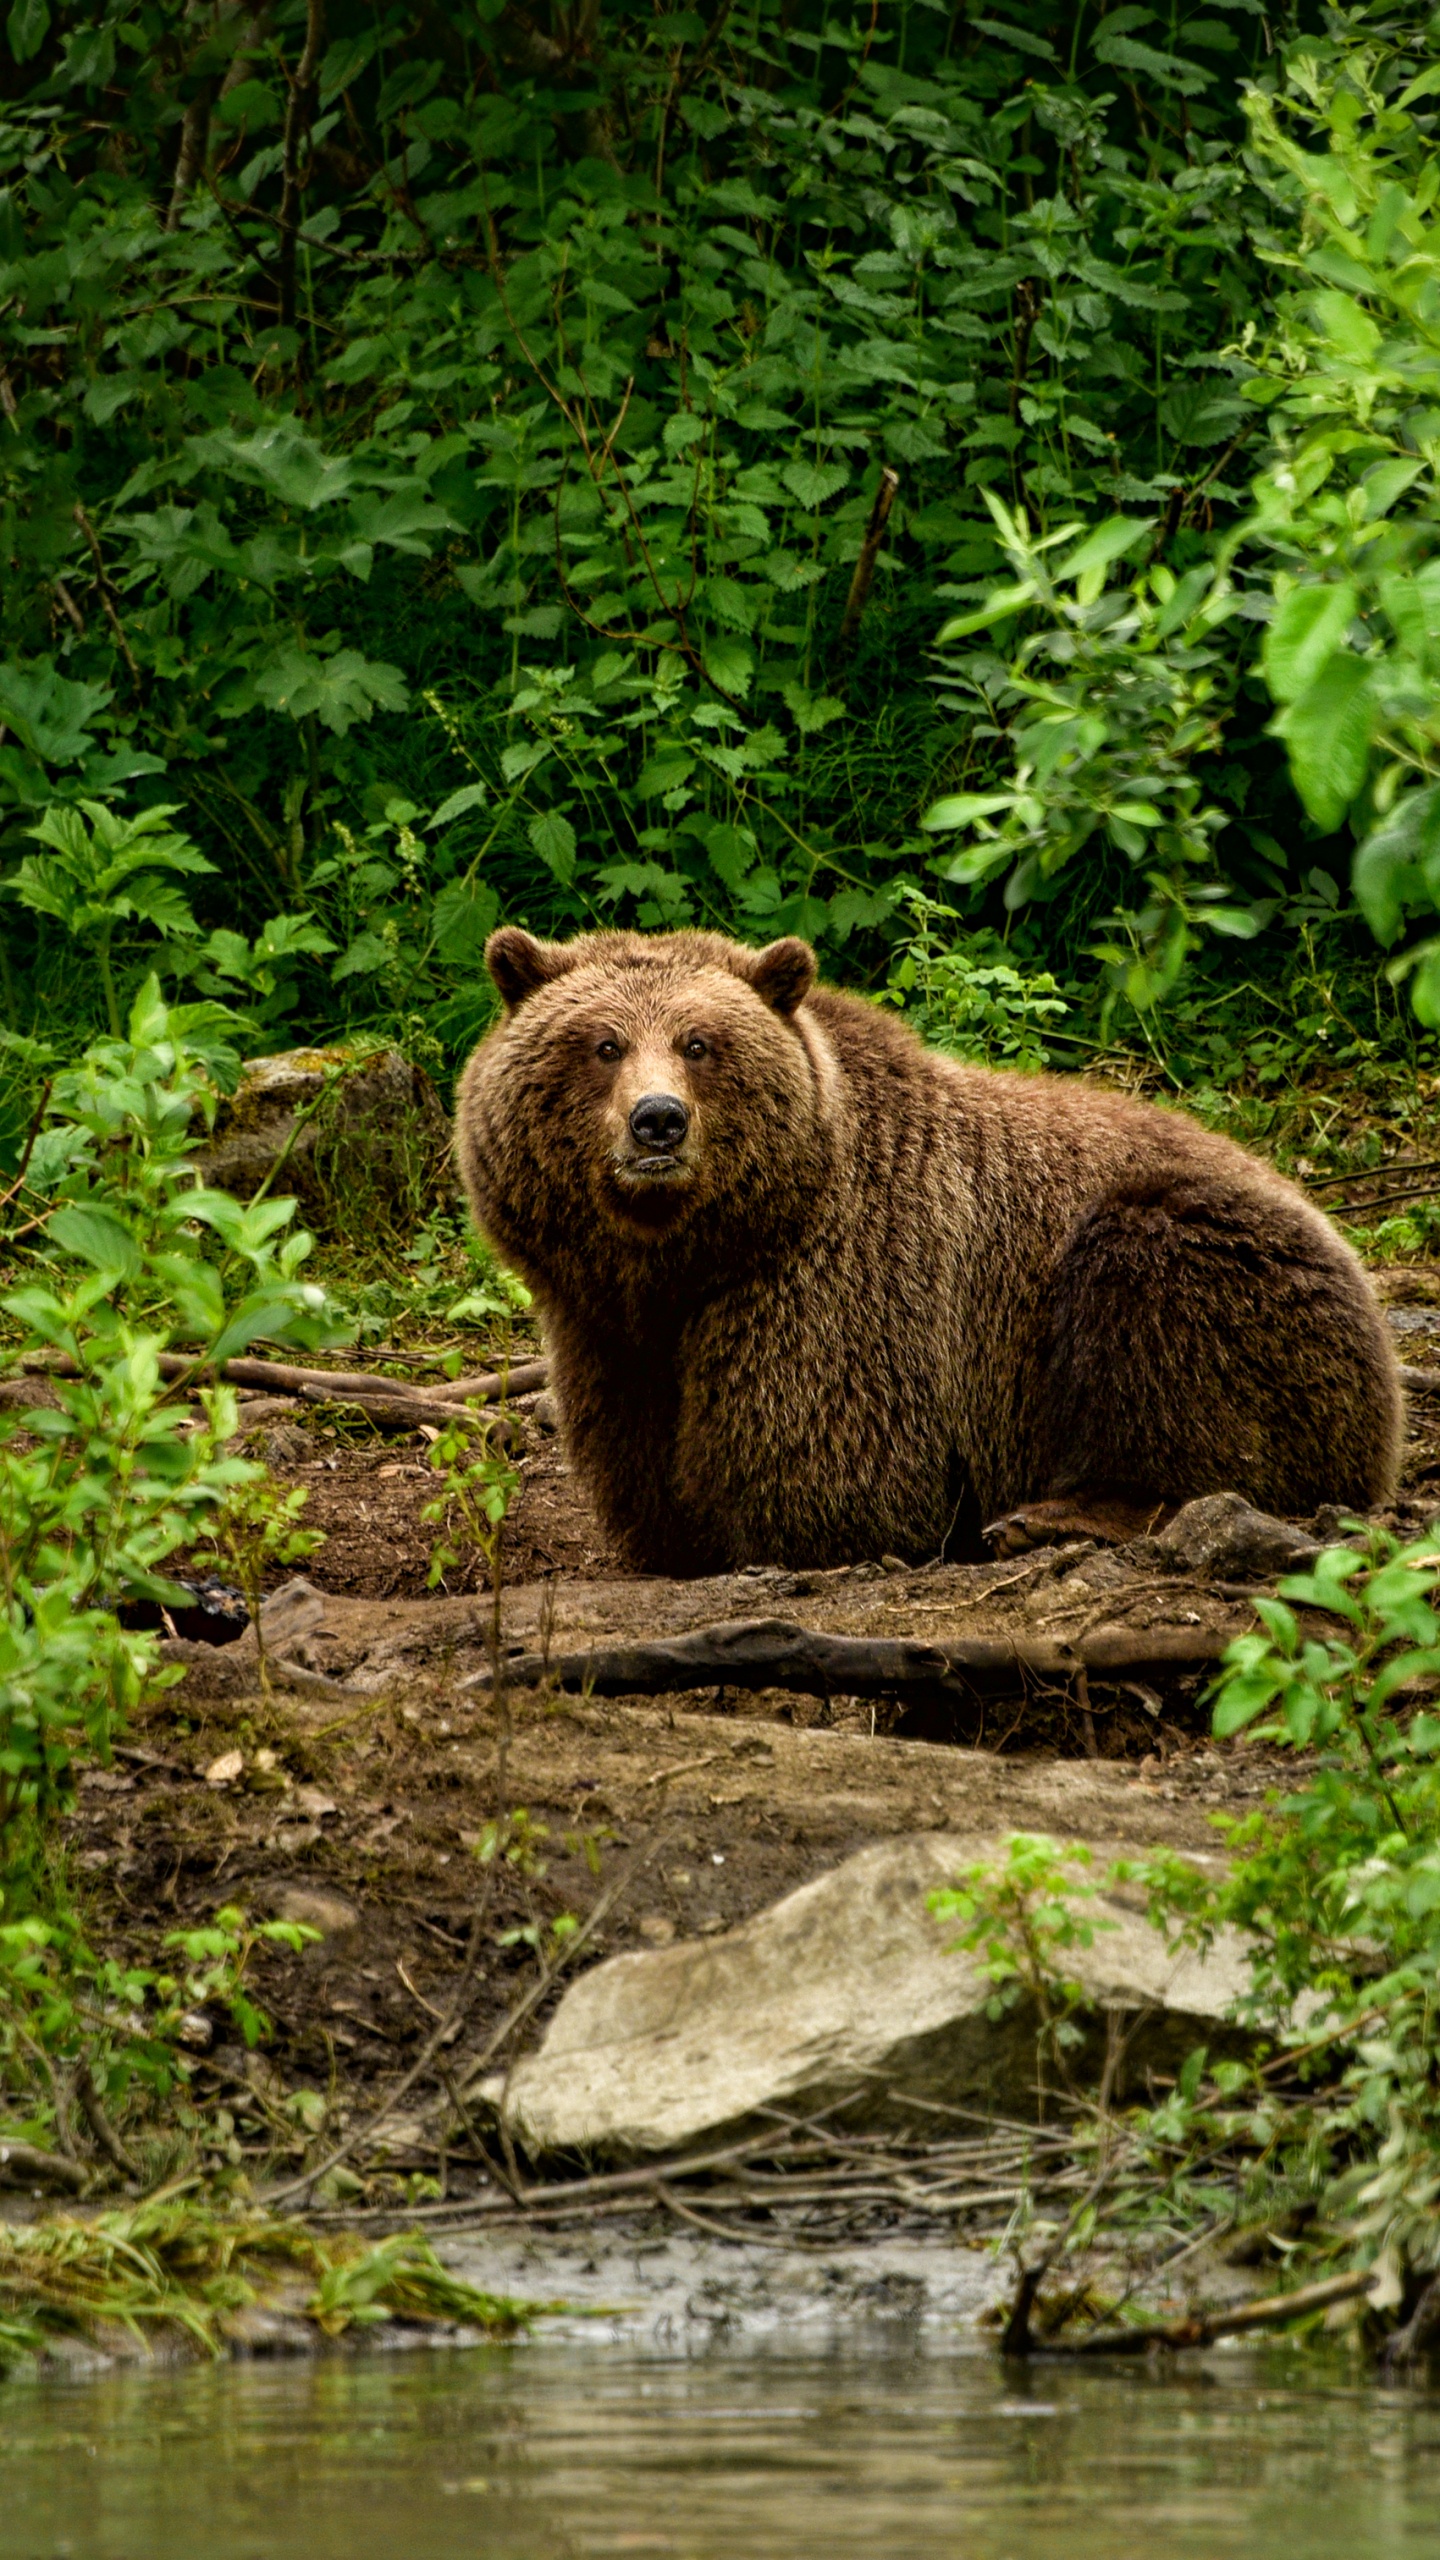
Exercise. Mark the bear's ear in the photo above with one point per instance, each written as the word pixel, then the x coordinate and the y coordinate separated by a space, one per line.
pixel 519 964
pixel 783 974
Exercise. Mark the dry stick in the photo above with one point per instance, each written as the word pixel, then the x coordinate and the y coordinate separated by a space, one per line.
pixel 106 592
pixel 31 1136
pixel 1200 2328
pixel 765 1653
pixel 299 116
pixel 405 1410
pixel 280 1377
pixel 860 583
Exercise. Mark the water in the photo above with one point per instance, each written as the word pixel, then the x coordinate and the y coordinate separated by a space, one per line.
pixel 562 2452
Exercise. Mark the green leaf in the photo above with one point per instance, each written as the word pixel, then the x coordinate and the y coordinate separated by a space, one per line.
pixel 1350 330
pixel 49 714
pixel 1398 865
pixel 996 608
pixel 98 1237
pixel 27 27
pixel 1424 87
pixel 813 482
pixel 729 664
pixel 553 838
pixel 338 690
pixel 464 915
pixel 1327 734
pixel 1108 542
pixel 1307 627
pixel 962 807
pixel 472 795
pixel 1243 1698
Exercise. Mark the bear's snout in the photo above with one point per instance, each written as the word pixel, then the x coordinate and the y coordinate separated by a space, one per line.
pixel 659 1121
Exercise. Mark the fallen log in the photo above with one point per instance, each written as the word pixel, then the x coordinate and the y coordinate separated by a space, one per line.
pixel 776 1653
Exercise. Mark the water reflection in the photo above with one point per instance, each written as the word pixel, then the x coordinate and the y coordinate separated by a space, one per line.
pixel 559 2453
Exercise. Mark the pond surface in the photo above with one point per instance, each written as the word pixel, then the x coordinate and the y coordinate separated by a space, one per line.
pixel 545 2452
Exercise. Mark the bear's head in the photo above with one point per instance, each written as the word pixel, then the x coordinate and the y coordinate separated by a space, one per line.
pixel 662 1086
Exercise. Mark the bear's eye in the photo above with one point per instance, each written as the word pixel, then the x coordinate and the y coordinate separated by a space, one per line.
pixel 697 1048
pixel 609 1050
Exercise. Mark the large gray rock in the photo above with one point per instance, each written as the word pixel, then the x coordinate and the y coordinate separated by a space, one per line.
pixel 842 1992
pixel 359 1139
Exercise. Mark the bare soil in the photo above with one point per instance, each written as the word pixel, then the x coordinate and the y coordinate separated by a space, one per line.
pixel 386 1769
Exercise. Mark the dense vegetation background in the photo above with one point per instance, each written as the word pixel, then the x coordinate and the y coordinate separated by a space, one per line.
pixel 874 476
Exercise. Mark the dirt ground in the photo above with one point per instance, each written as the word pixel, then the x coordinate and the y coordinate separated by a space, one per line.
pixel 357 1793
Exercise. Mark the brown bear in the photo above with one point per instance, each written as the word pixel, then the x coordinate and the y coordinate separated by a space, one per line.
pixel 813 1293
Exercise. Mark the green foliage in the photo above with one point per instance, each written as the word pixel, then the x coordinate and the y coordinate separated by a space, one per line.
pixel 1348 508
pixel 1337 1885
pixel 452 482
pixel 1103 706
pixel 181 2265
pixel 961 994
pixel 1019 1919
pixel 100 1488
pixel 477 1484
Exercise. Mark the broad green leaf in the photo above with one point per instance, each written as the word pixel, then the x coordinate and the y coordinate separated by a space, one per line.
pixel 996 608
pixel 27 27
pixel 1398 865
pixel 1327 734
pixel 1108 542
pixel 961 808
pixel 1423 87
pixel 813 482
pixel 1245 1695
pixel 463 917
pixel 1350 330
pixel 48 712
pixel 339 690
pixel 1308 625
pixel 98 1237
pixel 553 838
pixel 729 664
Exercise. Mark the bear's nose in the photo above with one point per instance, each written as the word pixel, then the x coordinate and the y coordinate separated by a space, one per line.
pixel 659 1120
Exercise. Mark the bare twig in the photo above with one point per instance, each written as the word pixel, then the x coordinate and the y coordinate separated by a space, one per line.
pixel 299 116
pixel 863 577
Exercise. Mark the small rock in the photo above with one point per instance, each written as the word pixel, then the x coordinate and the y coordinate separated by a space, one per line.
pixel 314 1908
pixel 656 1928
pixel 314 1803
pixel 546 1413
pixel 1225 1538
pixel 224 1771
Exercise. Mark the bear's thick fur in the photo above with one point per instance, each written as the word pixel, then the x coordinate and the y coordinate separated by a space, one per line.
pixel 813 1293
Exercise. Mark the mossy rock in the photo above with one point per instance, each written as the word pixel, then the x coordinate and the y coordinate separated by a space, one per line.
pixel 357 1136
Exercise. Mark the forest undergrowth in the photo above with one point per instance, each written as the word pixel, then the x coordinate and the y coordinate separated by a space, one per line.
pixel 959 488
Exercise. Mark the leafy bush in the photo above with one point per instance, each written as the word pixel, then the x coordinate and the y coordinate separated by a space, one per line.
pixel 516 462
pixel 1336 1883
